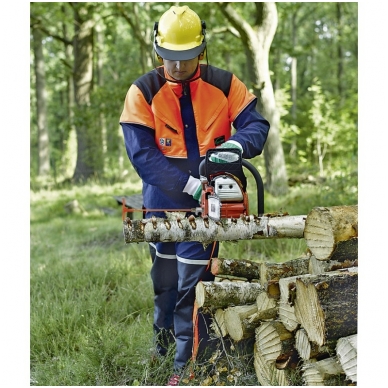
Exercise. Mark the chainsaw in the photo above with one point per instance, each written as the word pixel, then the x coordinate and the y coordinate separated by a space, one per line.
pixel 224 193
pixel 224 187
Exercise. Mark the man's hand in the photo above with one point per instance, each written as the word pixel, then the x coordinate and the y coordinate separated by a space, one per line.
pixel 226 157
pixel 193 187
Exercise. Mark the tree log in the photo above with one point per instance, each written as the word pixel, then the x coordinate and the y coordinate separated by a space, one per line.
pixel 240 268
pixel 264 302
pixel 237 324
pixel 308 350
pixel 323 373
pixel 213 295
pixel 326 305
pixel 347 355
pixel 218 323
pixel 206 230
pixel 276 271
pixel 273 340
pixel 287 287
pixel 327 230
pixel 317 267
pixel 267 373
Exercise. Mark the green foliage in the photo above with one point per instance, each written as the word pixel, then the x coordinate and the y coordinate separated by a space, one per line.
pixel 318 31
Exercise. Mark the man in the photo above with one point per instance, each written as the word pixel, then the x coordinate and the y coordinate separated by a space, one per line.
pixel 171 117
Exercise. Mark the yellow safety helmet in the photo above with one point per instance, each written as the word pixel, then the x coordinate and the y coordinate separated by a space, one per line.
pixel 179 35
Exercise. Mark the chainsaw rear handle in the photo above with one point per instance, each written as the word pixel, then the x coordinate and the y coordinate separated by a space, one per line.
pixel 249 166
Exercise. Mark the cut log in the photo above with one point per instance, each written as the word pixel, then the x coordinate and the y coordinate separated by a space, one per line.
pixel 214 295
pixel 276 271
pixel 334 228
pixel 326 372
pixel 308 350
pixel 317 267
pixel 267 373
pixel 240 268
pixel 264 302
pixel 218 323
pixel 237 324
pixel 287 287
pixel 206 230
pixel 229 278
pixel 273 341
pixel 326 305
pixel 347 355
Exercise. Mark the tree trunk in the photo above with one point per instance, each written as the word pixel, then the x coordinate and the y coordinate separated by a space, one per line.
pixel 69 157
pixel 331 229
pixel 257 43
pixel 89 155
pixel 206 230
pixel 41 111
pixel 347 355
pixel 214 295
pixel 326 305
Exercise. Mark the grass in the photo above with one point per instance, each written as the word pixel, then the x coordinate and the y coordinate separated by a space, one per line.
pixel 91 299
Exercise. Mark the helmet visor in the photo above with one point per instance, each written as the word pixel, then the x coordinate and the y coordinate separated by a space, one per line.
pixel 181 55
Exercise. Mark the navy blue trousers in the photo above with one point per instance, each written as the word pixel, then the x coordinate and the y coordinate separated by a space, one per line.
pixel 176 269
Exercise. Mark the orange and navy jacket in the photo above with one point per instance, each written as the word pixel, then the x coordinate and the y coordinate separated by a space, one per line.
pixel 168 126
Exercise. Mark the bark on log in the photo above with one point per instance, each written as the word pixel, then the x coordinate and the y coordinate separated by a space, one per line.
pixel 240 268
pixel 214 295
pixel 347 354
pixel 206 230
pixel 267 373
pixel 326 305
pixel 326 372
pixel 276 271
pixel 330 229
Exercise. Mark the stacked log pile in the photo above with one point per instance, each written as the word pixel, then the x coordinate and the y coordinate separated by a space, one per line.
pixel 302 313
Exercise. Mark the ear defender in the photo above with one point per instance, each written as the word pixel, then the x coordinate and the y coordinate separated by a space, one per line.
pixel 203 53
pixel 158 58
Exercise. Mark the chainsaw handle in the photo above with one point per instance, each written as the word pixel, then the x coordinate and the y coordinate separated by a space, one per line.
pixel 256 175
pixel 259 186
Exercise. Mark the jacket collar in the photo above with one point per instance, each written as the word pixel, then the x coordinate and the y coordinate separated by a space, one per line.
pixel 178 86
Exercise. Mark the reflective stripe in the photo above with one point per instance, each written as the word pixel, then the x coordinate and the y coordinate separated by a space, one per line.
pixel 192 261
pixel 163 255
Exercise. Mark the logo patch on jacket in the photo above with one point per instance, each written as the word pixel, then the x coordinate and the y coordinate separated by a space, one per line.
pixel 165 142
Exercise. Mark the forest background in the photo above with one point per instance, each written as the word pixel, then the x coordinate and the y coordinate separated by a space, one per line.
pixel 318 126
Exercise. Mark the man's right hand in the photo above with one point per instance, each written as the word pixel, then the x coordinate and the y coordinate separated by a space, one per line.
pixel 193 187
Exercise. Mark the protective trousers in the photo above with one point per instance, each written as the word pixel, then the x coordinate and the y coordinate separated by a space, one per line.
pixel 176 269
